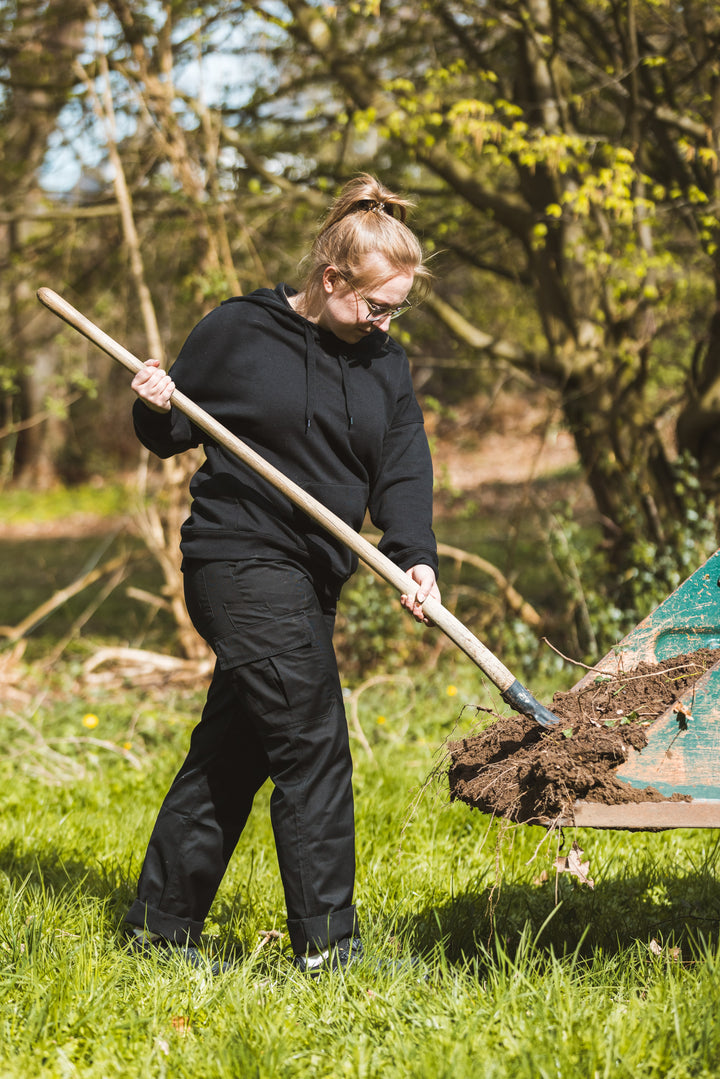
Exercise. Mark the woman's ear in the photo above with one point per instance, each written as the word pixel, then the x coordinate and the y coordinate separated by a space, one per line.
pixel 330 279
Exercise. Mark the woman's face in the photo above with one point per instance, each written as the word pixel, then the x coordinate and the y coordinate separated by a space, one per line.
pixel 351 314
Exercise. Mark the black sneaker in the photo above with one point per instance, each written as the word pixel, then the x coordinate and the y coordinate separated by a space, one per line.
pixel 168 951
pixel 339 956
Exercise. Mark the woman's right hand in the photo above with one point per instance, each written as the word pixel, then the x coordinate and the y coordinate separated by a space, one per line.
pixel 153 386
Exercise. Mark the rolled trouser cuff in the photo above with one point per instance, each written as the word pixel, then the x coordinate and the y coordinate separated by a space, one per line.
pixel 322 931
pixel 178 930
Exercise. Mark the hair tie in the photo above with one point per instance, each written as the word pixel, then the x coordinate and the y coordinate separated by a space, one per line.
pixel 373 206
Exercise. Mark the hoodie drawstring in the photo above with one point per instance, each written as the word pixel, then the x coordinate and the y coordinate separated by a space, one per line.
pixel 346 390
pixel 310 371
pixel 311 347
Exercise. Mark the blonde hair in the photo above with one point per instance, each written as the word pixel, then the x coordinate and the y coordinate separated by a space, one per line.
pixel 367 219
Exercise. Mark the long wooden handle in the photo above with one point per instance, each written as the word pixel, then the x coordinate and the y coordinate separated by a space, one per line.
pixel 497 672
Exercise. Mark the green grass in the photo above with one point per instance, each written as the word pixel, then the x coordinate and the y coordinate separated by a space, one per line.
pixel 514 984
pixel 520 977
pixel 104 498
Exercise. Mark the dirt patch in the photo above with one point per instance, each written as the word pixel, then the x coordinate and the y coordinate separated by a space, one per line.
pixel 532 775
pixel 504 439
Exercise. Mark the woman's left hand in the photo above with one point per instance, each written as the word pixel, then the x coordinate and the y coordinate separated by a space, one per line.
pixel 424 578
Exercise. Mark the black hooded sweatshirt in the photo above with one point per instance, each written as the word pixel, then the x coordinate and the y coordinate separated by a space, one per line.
pixel 339 419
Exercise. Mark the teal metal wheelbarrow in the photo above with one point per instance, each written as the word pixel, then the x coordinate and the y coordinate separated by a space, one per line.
pixel 683 754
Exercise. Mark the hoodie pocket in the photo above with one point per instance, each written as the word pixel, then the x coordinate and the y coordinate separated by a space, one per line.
pixel 348 501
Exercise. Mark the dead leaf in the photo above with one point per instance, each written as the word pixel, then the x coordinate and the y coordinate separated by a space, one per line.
pixel 181 1024
pixel 574 865
pixel 542 878
pixel 674 954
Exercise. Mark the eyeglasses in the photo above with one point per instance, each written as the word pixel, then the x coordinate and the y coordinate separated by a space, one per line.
pixel 377 312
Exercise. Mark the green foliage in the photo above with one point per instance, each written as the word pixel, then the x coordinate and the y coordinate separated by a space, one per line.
pixel 656 569
pixel 372 629
pixel 208 289
pixel 606 597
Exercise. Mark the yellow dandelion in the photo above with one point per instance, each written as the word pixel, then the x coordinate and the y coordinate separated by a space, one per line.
pixel 451 691
pixel 127 745
pixel 90 721
pixel 381 719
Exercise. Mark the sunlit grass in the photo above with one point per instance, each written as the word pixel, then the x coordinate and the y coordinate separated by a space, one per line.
pixel 511 982
pixel 101 499
pixel 521 975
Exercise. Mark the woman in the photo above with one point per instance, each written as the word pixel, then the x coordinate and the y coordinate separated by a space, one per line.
pixel 311 381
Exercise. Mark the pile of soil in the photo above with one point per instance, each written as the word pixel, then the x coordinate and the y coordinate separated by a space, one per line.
pixel 534 775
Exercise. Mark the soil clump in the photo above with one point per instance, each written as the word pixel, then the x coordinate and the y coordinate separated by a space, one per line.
pixel 530 774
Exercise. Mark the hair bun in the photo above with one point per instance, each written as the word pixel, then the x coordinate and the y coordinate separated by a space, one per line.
pixel 366 219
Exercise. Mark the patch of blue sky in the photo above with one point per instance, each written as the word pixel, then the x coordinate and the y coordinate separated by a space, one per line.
pixel 223 68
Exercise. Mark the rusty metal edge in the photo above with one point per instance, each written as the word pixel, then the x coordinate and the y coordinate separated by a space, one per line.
pixel 646 816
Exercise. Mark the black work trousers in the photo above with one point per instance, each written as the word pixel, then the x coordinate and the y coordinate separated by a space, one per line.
pixel 274 709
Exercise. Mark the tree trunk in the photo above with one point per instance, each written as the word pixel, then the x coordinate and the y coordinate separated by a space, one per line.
pixel 44 43
pixel 626 464
pixel 698 425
